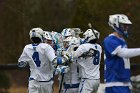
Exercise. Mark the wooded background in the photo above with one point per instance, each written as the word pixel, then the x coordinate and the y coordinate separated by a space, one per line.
pixel 17 17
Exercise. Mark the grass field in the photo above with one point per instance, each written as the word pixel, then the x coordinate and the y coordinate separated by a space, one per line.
pixel 25 90
pixel 18 90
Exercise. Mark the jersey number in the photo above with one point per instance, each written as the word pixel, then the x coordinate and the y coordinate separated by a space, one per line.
pixel 35 57
pixel 96 58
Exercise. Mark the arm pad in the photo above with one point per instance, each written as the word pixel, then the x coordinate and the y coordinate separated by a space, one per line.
pixel 128 53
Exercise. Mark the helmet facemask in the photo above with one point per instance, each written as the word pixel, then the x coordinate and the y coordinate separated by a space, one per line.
pixel 66 42
pixel 48 38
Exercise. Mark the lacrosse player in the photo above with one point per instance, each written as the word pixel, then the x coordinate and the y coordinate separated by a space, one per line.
pixel 42 60
pixel 71 78
pixel 89 55
pixel 61 75
pixel 49 40
pixel 117 63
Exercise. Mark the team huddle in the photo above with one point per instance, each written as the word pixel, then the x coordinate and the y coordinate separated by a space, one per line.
pixel 76 60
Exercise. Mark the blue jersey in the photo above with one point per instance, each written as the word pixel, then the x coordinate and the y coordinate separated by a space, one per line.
pixel 117 69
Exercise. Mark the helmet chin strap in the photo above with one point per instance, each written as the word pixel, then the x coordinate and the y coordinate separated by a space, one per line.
pixel 120 31
pixel 86 39
pixel 126 33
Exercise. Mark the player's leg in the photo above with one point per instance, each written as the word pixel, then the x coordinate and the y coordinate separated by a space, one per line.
pixel 71 90
pixel 74 90
pixel 89 86
pixel 46 87
pixel 33 87
pixel 95 85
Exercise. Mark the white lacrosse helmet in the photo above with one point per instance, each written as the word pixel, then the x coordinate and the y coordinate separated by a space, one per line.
pixel 89 35
pixel 117 19
pixel 66 41
pixel 67 32
pixel 47 35
pixel 36 32
pixel 74 42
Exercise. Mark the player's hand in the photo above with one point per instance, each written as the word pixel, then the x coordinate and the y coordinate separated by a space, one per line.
pixel 68 58
pixel 22 64
pixel 64 52
pixel 63 69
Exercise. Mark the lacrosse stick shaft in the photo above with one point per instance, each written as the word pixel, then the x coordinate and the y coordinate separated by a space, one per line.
pixel 61 83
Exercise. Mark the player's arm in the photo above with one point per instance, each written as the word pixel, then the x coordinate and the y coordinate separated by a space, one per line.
pixel 22 61
pixel 56 60
pixel 126 52
pixel 115 48
pixel 81 51
pixel 72 53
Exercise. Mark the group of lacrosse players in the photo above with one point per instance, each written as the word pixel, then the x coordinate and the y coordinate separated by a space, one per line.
pixel 76 60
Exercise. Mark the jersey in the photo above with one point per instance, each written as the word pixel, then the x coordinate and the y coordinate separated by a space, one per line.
pixel 39 58
pixel 72 76
pixel 117 69
pixel 89 64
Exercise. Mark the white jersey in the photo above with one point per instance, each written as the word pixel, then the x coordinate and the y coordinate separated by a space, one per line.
pixel 39 58
pixel 89 62
pixel 72 76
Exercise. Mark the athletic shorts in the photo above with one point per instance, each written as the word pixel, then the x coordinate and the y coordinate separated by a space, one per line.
pixel 118 89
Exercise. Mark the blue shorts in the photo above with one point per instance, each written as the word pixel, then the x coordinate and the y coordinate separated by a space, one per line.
pixel 118 89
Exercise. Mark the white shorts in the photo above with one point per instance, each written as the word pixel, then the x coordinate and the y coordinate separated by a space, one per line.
pixel 40 87
pixel 89 86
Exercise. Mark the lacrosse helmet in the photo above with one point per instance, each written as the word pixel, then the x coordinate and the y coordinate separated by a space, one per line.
pixel 48 38
pixel 36 33
pixel 90 35
pixel 66 41
pixel 47 35
pixel 67 32
pixel 119 23
pixel 75 42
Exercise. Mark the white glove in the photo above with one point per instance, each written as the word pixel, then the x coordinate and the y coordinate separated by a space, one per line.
pixel 60 60
pixel 65 53
pixel 63 69
pixel 68 58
